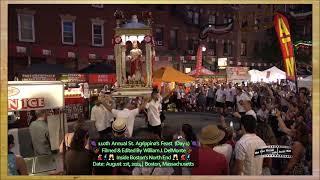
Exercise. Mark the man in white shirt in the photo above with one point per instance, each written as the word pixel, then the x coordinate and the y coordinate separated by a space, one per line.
pixel 240 98
pixel 179 98
pixel 263 113
pixel 220 98
pixel 154 109
pixel 129 113
pixel 246 163
pixel 102 117
pixel 248 110
pixel 230 97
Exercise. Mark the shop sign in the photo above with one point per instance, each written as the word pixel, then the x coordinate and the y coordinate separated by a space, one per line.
pixel 26 96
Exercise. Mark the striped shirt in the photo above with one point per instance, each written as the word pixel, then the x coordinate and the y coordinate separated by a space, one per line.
pixel 244 151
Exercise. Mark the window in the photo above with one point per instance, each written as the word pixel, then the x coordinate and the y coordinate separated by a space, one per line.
pixel 97 34
pixel 256 47
pixel 256 23
pixel 190 44
pixel 68 32
pixel 243 49
pixel 195 44
pixel 190 14
pixel 212 19
pixel 173 39
pixel 159 36
pixel 225 20
pixel 230 49
pixel 212 47
pixel 26 27
pixel 225 48
pixel 196 18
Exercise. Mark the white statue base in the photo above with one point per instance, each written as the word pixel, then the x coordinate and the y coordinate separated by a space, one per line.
pixel 132 92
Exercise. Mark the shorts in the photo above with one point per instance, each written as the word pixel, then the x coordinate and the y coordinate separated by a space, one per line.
pixel 219 104
pixel 229 104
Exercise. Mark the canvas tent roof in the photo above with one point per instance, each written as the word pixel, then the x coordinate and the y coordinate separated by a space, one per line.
pixel 305 82
pixel 273 74
pixel 203 72
pixel 169 74
pixel 99 68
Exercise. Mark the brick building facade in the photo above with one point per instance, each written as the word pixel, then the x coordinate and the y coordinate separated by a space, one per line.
pixel 76 35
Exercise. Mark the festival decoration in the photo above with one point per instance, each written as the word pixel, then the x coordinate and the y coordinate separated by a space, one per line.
pixel 117 39
pixel 148 16
pixel 283 31
pixel 215 29
pixel 119 17
pixel 199 61
pixel 148 39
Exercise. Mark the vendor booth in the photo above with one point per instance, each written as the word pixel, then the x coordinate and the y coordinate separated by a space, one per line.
pixel 237 74
pixel 203 72
pixel 37 95
pixel 305 82
pixel 169 74
pixel 209 76
pixel 76 93
pixel 273 74
pixel 255 75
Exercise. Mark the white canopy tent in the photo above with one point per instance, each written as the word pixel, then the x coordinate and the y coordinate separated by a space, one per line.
pixel 305 82
pixel 255 75
pixel 273 74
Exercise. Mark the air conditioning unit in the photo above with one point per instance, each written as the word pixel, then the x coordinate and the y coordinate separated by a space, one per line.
pixel 190 51
pixel 210 53
pixel 97 5
pixel 159 43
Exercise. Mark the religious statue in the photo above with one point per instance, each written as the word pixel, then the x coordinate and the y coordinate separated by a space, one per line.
pixel 135 62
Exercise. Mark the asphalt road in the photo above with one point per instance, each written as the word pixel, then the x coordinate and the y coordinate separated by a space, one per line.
pixel 175 120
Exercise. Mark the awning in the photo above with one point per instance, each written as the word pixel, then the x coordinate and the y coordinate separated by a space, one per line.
pixel 169 74
pixel 203 72
pixel 102 78
pixel 99 68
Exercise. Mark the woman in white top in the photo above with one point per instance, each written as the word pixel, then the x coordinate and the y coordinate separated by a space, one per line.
pixel 223 147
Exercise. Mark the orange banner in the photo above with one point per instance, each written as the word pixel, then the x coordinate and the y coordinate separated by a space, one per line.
pixel 199 61
pixel 283 32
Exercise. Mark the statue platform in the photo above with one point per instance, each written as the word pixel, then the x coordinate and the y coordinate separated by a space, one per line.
pixel 132 92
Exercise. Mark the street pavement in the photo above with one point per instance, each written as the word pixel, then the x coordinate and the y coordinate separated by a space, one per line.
pixel 175 120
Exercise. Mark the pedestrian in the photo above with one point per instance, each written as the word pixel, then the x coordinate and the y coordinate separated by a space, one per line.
pixel 208 161
pixel 246 104
pixel 78 159
pixel 16 163
pixel 40 134
pixel 102 117
pixel 220 98
pixel 210 98
pixel 154 108
pixel 300 137
pixel 230 97
pixel 223 147
pixel 246 163
pixel 129 112
pixel 241 96
pixel 157 171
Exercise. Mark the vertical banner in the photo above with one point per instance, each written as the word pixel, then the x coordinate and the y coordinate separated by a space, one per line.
pixel 199 60
pixel 283 32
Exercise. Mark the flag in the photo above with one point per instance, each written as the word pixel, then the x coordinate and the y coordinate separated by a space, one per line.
pixel 199 61
pixel 283 32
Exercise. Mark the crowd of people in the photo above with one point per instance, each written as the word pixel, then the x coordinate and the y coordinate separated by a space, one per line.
pixel 267 114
